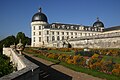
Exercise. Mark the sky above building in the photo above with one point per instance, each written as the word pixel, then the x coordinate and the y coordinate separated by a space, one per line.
pixel 16 15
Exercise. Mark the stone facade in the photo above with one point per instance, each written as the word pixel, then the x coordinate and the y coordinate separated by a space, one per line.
pixel 44 34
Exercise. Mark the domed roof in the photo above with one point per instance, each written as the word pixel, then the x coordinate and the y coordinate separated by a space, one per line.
pixel 39 16
pixel 98 23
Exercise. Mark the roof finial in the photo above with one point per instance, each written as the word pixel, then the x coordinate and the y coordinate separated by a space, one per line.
pixel 40 10
pixel 97 18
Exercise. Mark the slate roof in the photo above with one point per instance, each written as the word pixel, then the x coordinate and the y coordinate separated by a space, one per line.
pixel 112 28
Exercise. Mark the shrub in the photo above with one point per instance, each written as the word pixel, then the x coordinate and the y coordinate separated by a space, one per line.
pixel 95 56
pixel 70 61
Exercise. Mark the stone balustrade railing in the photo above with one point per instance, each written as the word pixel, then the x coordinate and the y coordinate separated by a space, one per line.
pixel 26 70
pixel 14 58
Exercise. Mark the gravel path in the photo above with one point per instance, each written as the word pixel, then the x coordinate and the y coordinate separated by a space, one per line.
pixel 75 75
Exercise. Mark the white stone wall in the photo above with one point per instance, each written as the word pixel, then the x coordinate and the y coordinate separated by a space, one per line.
pixel 47 34
pixel 43 37
pixel 36 28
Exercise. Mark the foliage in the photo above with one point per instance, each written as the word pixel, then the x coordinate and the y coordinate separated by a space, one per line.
pixel 10 40
pixel 7 42
pixel 5 65
pixel 25 40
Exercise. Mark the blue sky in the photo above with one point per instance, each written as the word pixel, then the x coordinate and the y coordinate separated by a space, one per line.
pixel 15 15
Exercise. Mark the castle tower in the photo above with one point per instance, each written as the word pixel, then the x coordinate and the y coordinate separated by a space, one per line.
pixel 38 23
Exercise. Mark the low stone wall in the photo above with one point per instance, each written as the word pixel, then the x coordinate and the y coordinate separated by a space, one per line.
pixel 26 69
pixel 113 42
pixel 14 58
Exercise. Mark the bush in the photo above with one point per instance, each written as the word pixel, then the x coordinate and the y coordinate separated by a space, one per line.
pixel 5 65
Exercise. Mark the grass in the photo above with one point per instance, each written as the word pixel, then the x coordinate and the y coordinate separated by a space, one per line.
pixel 80 69
pixel 91 72
pixel 61 52
pixel 43 57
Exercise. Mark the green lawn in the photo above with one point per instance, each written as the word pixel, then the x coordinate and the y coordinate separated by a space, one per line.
pixel 61 52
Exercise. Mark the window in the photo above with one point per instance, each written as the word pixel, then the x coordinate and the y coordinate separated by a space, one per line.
pixel 67 37
pixel 76 28
pixel 33 39
pixel 75 33
pixel 62 33
pixel 52 33
pixel 67 27
pixel 33 33
pixel 63 26
pixel 47 32
pixel 53 38
pixel 33 27
pixel 39 39
pixel 67 33
pixel 39 27
pixel 62 37
pixel 72 27
pixel 71 33
pixel 39 33
pixel 86 29
pixel 57 33
pixel 47 39
pixel 58 27
pixel 53 25
pixel 58 38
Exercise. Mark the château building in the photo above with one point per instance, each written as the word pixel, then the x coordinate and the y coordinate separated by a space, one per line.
pixel 44 34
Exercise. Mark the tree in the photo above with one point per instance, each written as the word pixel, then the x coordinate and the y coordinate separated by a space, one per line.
pixel 20 35
pixel 25 40
pixel 10 40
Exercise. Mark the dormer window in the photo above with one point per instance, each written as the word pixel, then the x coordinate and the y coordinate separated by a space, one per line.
pixel 76 28
pixel 72 27
pixel 53 25
pixel 58 27
pixel 89 29
pixel 67 27
pixel 63 26
pixel 86 29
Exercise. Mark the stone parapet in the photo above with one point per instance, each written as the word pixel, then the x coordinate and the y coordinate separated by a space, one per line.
pixel 26 70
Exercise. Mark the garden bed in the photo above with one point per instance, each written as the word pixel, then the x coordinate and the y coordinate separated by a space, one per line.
pixel 98 65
